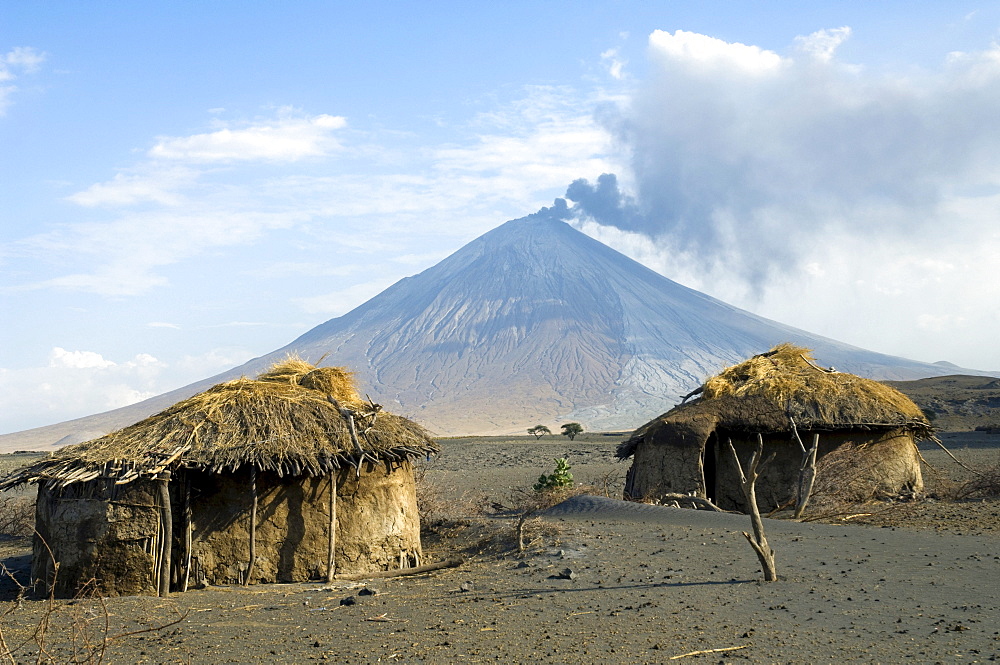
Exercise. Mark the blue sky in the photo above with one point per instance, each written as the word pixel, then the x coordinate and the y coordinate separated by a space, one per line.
pixel 184 187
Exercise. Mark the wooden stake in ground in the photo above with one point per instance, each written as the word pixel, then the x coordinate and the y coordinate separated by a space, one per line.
pixel 747 482
pixel 331 550
pixel 187 532
pixel 166 532
pixel 253 525
pixel 807 476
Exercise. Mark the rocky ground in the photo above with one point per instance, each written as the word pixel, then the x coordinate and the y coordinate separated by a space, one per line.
pixel 601 581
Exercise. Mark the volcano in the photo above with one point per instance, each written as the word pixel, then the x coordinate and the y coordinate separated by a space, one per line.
pixel 533 323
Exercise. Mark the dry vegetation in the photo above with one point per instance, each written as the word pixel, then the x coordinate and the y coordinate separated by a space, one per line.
pixel 81 630
pixel 17 516
pixel 495 522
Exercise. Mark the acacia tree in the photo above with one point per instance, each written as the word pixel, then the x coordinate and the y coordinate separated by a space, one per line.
pixel 571 430
pixel 538 430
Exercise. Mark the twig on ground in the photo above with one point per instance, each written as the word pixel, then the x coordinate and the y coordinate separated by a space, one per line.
pixel 704 651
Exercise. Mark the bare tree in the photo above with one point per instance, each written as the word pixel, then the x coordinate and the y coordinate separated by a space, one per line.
pixel 747 481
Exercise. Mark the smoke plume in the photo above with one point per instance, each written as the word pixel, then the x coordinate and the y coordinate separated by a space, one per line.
pixel 744 158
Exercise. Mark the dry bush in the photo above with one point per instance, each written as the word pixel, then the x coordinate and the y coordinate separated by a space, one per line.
pixel 524 507
pixel 986 485
pixel 432 505
pixel 481 524
pixel 846 477
pixel 76 631
pixel 17 516
pixel 608 485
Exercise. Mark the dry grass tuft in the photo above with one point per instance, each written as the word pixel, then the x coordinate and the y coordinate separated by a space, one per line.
pixel 335 381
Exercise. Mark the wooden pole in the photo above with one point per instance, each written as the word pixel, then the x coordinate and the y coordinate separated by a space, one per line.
pixel 253 525
pixel 166 533
pixel 807 477
pixel 187 531
pixel 331 551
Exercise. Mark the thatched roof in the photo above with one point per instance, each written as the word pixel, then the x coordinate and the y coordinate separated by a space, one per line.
pixel 281 421
pixel 763 394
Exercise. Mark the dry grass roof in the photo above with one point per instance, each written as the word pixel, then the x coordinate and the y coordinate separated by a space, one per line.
pixel 281 421
pixel 763 394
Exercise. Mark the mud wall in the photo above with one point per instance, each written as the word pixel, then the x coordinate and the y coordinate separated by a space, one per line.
pixel 103 537
pixel 887 461
pixel 664 469
pixel 107 537
pixel 377 522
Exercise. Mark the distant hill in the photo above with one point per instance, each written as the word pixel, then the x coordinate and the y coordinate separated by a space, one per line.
pixel 531 323
pixel 956 402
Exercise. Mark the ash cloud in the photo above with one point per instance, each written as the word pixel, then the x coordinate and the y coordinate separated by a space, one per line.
pixel 744 158
pixel 605 203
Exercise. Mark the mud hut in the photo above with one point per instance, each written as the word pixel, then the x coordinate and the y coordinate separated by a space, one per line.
pixel 287 477
pixel 784 396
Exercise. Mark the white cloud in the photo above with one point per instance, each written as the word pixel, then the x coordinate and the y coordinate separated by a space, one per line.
pixel 615 64
pixel 213 361
pixel 18 61
pixel 286 139
pixel 822 44
pixel 726 163
pixel 73 384
pixel 120 257
pixel 21 57
pixel 159 186
pixel 853 202
pixel 692 50
pixel 159 212
pixel 60 357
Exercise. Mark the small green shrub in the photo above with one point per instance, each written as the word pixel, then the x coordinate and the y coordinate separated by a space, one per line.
pixel 560 479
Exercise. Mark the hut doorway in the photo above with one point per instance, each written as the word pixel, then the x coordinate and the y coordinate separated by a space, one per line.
pixel 709 466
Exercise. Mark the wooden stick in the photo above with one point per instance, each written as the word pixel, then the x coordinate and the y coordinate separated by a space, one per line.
pixel 957 461
pixel 400 572
pixel 187 531
pixel 253 525
pixel 807 477
pixel 166 528
pixel 331 554
pixel 703 651
pixel 348 415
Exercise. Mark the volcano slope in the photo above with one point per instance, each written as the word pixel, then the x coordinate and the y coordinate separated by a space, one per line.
pixel 533 322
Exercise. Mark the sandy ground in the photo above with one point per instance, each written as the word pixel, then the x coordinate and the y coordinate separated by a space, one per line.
pixel 603 581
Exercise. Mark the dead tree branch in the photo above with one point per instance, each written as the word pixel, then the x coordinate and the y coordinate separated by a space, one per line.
pixel 807 471
pixel 748 480
pixel 400 572
pixel 698 502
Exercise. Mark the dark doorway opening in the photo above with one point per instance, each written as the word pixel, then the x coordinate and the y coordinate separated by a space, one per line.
pixel 709 465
